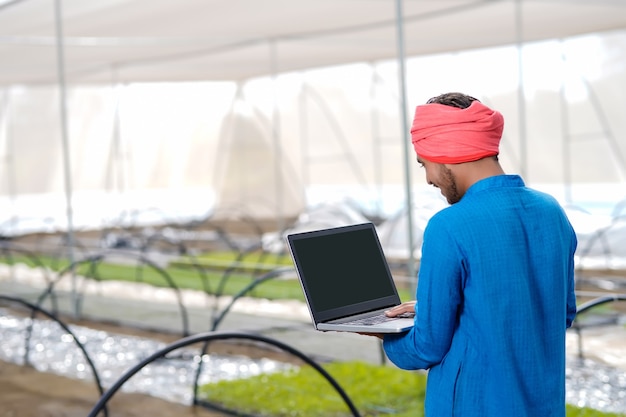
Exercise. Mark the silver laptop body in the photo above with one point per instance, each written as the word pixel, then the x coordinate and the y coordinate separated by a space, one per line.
pixel 346 279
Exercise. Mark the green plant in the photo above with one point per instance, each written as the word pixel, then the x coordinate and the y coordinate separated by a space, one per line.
pixel 376 391
pixel 185 276
pixel 572 411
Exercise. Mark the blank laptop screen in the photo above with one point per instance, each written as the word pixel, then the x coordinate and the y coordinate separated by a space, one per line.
pixel 340 269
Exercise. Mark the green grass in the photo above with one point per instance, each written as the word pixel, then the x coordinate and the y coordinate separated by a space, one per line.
pixel 375 391
pixel 203 273
pixel 253 257
pixel 589 412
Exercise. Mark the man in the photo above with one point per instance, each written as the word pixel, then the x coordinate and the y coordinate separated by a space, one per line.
pixel 496 281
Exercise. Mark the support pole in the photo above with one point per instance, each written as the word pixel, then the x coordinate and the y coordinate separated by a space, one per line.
pixel 565 135
pixel 405 140
pixel 65 143
pixel 521 96
pixel 8 158
pixel 279 194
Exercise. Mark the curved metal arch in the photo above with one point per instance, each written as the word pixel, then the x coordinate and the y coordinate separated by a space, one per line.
pixel 599 301
pixel 38 309
pixel 7 246
pixel 94 259
pixel 585 307
pixel 207 337
pixel 270 275
pixel 182 250
pixel 599 236
pixel 241 254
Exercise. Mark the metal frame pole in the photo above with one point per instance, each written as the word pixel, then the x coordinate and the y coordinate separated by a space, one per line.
pixel 405 140
pixel 65 143
pixel 276 139
pixel 521 97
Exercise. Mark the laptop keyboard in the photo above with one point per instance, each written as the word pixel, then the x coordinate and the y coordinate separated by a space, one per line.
pixel 379 318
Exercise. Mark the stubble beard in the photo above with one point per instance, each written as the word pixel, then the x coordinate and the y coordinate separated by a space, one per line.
pixel 449 186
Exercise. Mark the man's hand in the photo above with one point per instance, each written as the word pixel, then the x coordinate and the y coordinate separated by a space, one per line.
pixel 405 309
pixel 378 335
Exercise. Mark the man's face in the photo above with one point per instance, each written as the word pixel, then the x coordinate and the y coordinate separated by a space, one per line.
pixel 440 176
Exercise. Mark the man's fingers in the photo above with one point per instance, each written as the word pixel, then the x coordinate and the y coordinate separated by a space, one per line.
pixel 404 308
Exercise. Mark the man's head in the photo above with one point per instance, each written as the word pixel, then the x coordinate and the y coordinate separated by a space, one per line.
pixel 454 128
pixel 451 131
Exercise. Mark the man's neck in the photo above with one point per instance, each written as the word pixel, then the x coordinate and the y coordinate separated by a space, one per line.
pixel 468 173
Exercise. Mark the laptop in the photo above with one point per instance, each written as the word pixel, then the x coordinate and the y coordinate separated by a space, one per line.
pixel 346 279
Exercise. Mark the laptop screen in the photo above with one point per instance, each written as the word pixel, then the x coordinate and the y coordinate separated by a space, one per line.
pixel 343 271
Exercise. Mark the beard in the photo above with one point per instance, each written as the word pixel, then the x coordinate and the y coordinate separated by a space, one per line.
pixel 448 186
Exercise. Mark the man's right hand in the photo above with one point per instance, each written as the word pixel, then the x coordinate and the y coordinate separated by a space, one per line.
pixel 406 308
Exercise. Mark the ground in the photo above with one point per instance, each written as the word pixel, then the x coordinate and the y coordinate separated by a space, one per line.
pixel 26 392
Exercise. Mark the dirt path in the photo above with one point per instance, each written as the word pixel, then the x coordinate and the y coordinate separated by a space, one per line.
pixel 26 392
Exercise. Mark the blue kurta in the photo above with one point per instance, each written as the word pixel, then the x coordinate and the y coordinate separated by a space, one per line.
pixel 495 296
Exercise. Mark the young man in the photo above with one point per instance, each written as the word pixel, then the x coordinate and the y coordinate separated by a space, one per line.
pixel 496 281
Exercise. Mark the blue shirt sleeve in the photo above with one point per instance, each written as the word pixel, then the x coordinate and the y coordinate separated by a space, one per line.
pixel 571 290
pixel 440 289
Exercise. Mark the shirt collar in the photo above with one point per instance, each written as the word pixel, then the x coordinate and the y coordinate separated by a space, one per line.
pixel 497 181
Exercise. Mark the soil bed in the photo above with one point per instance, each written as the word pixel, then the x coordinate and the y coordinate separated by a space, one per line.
pixel 27 392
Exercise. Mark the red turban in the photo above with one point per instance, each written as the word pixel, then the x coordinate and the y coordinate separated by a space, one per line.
pixel 450 135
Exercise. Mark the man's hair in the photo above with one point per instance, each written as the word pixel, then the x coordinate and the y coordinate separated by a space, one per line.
pixel 460 100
